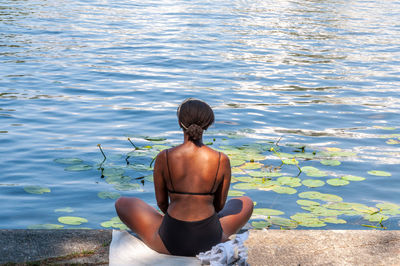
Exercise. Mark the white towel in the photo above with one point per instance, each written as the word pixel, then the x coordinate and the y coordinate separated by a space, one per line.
pixel 232 252
pixel 126 249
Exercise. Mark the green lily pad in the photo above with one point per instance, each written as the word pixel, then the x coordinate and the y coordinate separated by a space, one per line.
pixel 392 141
pixel 284 190
pixel 393 212
pixel 113 172
pixel 127 186
pixel 313 172
pixel 235 193
pixel 251 166
pixel 67 209
pixel 384 128
pixel 340 206
pixel 290 161
pixel 78 167
pixel 117 179
pixel 333 220
pixel 285 155
pixel 307 220
pixel 149 178
pixel 313 183
pixel 237 170
pixel 246 179
pixel 307 203
pixel 264 174
pixel 337 182
pixel 245 186
pixel 305 155
pixel 387 206
pixel 71 220
pixel 320 196
pixel 68 160
pixel 36 189
pixel 361 208
pixel 322 211
pixel 266 211
pixel 108 195
pixel 114 223
pixel 260 224
pixel 45 226
pixel 338 153
pixel 379 173
pixel 161 147
pixel 330 162
pixel 155 139
pixel 289 181
pixel 140 167
pixel 353 178
pixel 283 222
pixel 237 162
pixel 376 217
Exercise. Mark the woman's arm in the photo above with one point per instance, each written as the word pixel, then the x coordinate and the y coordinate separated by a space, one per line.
pixel 222 191
pixel 160 187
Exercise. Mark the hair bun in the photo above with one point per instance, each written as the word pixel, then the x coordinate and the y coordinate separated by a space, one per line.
pixel 194 132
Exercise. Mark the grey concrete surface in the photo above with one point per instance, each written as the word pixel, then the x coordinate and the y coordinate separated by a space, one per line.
pixel 270 247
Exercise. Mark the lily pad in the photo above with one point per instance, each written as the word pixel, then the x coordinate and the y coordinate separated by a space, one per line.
pixel 260 224
pixel 140 167
pixel 45 226
pixel 330 162
pixel 237 162
pixel 290 161
pixel 245 186
pixel 71 220
pixel 337 182
pixel 68 160
pixel 333 220
pixel 289 181
pixel 67 209
pixel 127 186
pixel 267 212
pixel 384 128
pixel 36 189
pixel 251 166
pixel 313 172
pixel 283 222
pixel 392 141
pixel 237 170
pixel 235 193
pixel 320 196
pixel 322 211
pixel 108 195
pixel 307 220
pixel 264 174
pixel 376 217
pixel 353 178
pixel 388 206
pixel 113 172
pixel 114 222
pixel 307 203
pixel 78 167
pixel 155 138
pixel 284 190
pixel 340 206
pixel 313 183
pixel 379 173
pixel 149 178
pixel 116 179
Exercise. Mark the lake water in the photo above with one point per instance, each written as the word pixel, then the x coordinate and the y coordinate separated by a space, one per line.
pixel 323 75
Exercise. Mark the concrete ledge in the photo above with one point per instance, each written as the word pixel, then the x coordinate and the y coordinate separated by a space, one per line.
pixel 271 247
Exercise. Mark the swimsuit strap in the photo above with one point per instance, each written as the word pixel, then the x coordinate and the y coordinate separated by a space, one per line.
pixel 216 174
pixel 169 174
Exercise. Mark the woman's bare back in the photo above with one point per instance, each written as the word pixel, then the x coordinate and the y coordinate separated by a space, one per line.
pixel 189 170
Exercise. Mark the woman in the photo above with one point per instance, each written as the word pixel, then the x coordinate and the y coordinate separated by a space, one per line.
pixel 195 179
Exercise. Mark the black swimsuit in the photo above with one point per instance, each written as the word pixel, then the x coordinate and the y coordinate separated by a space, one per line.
pixel 188 238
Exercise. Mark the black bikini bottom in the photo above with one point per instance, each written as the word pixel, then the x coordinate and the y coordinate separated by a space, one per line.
pixel 186 238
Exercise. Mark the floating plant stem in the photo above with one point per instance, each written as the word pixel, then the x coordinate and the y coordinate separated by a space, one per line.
pixel 294 160
pixel 101 168
pixel 136 147
pixel 152 161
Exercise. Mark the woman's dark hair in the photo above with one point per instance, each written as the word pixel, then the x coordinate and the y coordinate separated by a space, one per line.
pixel 195 116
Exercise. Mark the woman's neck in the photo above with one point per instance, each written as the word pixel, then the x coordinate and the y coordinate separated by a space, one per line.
pixel 197 143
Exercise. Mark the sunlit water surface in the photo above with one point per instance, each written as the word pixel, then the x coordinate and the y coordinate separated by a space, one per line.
pixel 74 74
